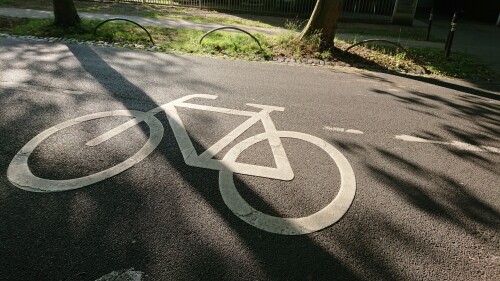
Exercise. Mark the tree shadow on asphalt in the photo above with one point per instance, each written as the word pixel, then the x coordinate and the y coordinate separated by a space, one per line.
pixel 438 216
pixel 60 236
pixel 453 202
pixel 447 204
pixel 480 115
pixel 272 251
pixel 115 226
pixel 86 233
pixel 478 112
pixel 482 125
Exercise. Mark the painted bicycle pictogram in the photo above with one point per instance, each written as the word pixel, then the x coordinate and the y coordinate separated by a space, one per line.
pixel 21 176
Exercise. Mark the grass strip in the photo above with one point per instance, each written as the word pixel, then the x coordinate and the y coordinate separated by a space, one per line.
pixel 282 47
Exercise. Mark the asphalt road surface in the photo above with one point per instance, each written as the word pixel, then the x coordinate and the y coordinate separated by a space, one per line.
pixel 424 153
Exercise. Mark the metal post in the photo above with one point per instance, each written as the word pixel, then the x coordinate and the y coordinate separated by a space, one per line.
pixel 431 16
pixel 449 41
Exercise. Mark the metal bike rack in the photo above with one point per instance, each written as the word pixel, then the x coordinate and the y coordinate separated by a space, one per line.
pixel 377 40
pixel 230 27
pixel 115 19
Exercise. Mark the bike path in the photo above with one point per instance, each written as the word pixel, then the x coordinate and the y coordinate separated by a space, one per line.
pixel 423 155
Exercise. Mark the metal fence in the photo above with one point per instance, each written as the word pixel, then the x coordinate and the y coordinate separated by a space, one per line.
pixel 295 8
pixel 374 10
pixel 370 7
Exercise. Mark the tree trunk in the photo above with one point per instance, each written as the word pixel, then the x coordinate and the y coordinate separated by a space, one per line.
pixel 324 20
pixel 65 13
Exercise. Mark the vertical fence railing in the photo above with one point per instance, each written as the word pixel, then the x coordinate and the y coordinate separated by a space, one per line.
pixel 275 7
pixel 294 8
pixel 369 7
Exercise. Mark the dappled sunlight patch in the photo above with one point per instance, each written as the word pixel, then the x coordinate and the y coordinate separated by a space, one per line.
pixel 16 75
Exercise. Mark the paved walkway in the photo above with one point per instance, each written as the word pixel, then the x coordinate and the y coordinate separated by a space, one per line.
pixel 170 23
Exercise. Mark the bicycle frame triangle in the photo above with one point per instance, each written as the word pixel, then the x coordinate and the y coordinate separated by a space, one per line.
pixel 283 170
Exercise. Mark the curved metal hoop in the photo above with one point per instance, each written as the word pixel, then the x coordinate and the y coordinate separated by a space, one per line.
pixel 377 40
pixel 230 27
pixel 114 19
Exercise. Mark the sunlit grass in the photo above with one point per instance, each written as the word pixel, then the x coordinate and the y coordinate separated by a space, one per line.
pixel 220 43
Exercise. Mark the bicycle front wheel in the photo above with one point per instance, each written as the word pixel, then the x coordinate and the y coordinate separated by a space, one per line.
pixel 21 176
pixel 290 226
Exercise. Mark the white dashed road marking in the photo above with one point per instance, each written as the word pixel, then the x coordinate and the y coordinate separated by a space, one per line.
pixel 456 144
pixel 122 275
pixel 342 130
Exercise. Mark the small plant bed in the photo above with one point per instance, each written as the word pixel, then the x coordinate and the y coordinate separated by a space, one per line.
pixel 280 48
pixel 420 61
pixel 178 41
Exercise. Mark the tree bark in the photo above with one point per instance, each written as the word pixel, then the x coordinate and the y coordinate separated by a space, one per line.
pixel 65 13
pixel 324 20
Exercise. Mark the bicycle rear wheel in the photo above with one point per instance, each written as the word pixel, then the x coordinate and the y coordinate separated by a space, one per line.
pixel 21 176
pixel 290 226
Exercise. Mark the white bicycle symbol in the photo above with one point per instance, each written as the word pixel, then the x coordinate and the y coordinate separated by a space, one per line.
pixel 21 176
